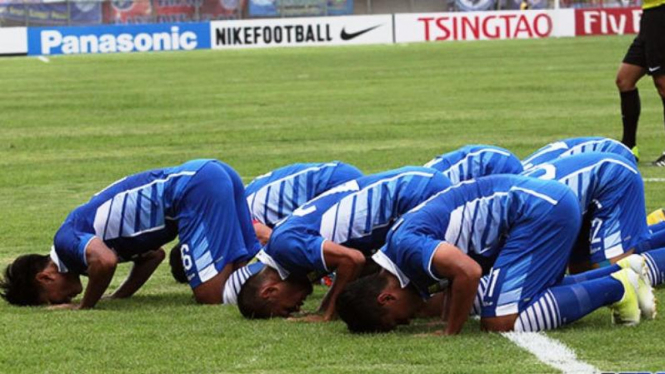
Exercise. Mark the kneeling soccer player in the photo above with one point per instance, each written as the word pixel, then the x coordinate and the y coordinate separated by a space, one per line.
pixel 610 191
pixel 201 201
pixel 275 195
pixel 332 232
pixel 475 161
pixel 527 226
pixel 573 146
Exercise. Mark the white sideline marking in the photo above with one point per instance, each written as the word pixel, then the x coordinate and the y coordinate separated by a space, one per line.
pixel 550 352
pixel 44 59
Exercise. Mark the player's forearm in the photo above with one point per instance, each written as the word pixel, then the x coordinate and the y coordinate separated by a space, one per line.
pixel 347 272
pixel 462 293
pixel 263 232
pixel 141 271
pixel 99 278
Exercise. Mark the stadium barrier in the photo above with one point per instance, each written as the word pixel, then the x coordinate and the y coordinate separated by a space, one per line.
pixel 617 21
pixel 13 41
pixel 118 38
pixel 484 25
pixel 318 31
pixel 295 32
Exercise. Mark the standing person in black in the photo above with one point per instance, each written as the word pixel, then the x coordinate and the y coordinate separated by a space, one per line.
pixel 646 55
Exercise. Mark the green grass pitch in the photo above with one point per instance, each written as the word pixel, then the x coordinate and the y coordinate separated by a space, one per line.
pixel 72 126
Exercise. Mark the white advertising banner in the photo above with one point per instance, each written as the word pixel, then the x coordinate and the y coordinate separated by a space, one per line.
pixel 484 25
pixel 13 40
pixel 287 32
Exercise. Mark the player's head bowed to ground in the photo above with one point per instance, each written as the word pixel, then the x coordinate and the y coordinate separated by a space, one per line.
pixel 202 202
pixel 35 280
pixel 526 228
pixel 334 232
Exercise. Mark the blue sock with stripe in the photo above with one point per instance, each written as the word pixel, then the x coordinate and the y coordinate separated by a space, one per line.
pixel 657 227
pixel 589 275
pixel 562 305
pixel 656 264
pixel 657 239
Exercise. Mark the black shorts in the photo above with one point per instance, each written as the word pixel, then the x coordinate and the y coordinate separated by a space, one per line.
pixel 648 48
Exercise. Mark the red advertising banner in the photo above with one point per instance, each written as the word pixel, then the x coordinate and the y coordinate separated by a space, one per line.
pixel 607 21
pixel 170 11
pixel 127 11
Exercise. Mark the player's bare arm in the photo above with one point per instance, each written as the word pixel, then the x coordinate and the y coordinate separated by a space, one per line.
pixel 464 274
pixel 262 232
pixel 349 264
pixel 102 262
pixel 142 269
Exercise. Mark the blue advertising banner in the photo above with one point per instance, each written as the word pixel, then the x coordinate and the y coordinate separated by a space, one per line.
pixel 54 13
pixel 263 8
pixel 118 38
pixel 340 7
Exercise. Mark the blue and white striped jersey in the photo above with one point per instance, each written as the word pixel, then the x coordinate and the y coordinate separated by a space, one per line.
pixel 134 215
pixel 610 189
pixel 356 214
pixel 573 146
pixel 278 193
pixel 593 177
pixel 475 161
pixel 474 216
pixel 237 279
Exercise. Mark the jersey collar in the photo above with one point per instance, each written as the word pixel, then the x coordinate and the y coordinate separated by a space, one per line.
pixel 268 260
pixel 385 262
pixel 54 257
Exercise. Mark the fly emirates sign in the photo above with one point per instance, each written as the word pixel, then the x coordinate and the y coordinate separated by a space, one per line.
pixel 483 25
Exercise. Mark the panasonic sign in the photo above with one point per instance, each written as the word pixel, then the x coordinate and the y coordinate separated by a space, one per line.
pixel 112 39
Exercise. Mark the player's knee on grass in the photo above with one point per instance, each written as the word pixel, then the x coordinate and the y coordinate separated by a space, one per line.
pixel 359 308
pixel 499 324
pixel 177 268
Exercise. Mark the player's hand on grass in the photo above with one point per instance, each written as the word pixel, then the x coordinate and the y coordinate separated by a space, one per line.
pixel 436 323
pixel 308 318
pixel 433 333
pixel 64 307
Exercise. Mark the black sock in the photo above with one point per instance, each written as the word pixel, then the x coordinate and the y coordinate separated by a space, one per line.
pixel 630 114
pixel 663 99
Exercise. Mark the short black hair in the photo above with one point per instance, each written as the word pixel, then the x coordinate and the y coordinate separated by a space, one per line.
pixel 358 306
pixel 177 268
pixel 250 303
pixel 19 285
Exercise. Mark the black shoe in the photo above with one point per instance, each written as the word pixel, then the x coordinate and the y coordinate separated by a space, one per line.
pixel 660 161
